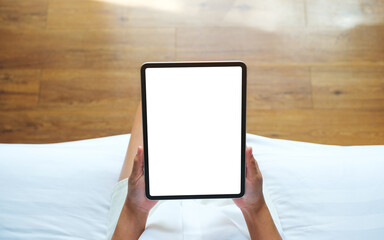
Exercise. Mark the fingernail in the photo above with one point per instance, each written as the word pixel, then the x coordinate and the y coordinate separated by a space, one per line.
pixel 138 150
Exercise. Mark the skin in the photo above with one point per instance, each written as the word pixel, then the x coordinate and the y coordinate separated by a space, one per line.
pixel 134 214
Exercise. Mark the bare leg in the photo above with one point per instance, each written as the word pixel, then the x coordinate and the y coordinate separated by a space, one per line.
pixel 134 143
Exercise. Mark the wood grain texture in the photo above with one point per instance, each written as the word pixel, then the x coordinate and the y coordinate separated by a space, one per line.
pixel 279 87
pixel 331 126
pixel 19 89
pixel 270 15
pixel 69 69
pixel 302 46
pixel 344 14
pixel 44 126
pixel 86 89
pixel 23 14
pixel 348 88
pixel 80 14
pixel 267 15
pixel 84 48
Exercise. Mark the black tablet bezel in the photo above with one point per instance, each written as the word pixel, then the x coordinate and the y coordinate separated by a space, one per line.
pixel 243 123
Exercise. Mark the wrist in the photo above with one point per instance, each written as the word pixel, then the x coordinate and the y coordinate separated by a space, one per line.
pixel 255 208
pixel 135 210
pixel 260 223
pixel 131 223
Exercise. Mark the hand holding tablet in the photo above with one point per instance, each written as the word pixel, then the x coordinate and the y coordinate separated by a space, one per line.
pixel 198 110
pixel 194 145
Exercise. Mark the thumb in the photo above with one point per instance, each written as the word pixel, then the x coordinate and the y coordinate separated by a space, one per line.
pixel 137 164
pixel 251 163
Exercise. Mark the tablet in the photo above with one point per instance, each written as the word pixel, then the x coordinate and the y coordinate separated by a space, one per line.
pixel 194 129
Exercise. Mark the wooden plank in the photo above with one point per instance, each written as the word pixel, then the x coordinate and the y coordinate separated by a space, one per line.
pixel 85 89
pixel 19 88
pixel 23 14
pixel 348 88
pixel 177 13
pixel 330 126
pixel 85 48
pixel 80 14
pixel 261 14
pixel 344 14
pixel 304 47
pixel 75 14
pixel 344 127
pixel 279 87
pixel 46 126
pixel 267 15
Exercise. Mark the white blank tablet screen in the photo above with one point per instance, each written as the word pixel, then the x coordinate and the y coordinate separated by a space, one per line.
pixel 194 130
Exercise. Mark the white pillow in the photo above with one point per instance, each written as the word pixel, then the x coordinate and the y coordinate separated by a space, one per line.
pixel 58 191
pixel 323 191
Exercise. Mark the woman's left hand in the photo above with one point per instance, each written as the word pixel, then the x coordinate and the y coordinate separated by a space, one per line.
pixel 136 198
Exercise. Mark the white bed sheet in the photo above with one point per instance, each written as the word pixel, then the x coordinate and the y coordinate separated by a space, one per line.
pixel 63 191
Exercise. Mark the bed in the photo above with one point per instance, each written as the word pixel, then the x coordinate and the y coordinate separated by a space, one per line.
pixel 314 191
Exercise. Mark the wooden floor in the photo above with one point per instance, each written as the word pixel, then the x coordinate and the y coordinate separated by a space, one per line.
pixel 69 69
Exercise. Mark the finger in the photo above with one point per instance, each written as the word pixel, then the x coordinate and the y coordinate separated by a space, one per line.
pixel 246 170
pixel 251 163
pixel 257 165
pixel 137 164
pixel 142 163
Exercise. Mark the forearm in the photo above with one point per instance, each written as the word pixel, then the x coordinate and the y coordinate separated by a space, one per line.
pixel 260 223
pixel 131 223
